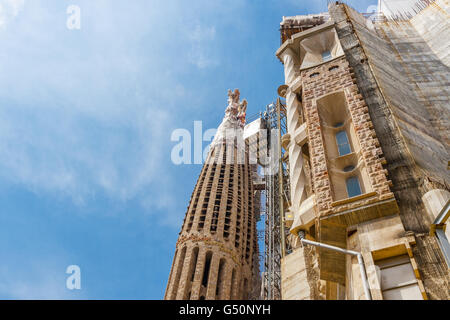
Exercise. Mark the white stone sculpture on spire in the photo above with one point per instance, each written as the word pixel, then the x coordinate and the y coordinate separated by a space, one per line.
pixel 234 119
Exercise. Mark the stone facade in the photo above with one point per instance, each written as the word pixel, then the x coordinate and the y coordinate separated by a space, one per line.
pixel 383 85
pixel 328 78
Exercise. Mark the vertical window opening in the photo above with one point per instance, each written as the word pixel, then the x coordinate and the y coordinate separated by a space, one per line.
pixel 343 143
pixel 206 269
pixel 220 276
pixel 245 292
pixel 194 264
pixel 233 280
pixel 326 56
pixel 353 187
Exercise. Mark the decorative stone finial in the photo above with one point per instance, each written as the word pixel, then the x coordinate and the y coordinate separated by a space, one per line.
pixel 236 110
pixel 235 114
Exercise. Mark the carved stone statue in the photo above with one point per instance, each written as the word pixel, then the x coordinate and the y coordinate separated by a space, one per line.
pixel 235 114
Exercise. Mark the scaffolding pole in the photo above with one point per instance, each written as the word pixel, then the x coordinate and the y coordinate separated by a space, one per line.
pixel 280 180
pixel 275 192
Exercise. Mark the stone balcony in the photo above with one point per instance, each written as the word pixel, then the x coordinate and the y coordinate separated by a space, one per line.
pixel 362 208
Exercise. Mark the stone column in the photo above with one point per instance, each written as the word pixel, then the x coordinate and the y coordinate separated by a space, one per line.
pixel 303 289
pixel 296 166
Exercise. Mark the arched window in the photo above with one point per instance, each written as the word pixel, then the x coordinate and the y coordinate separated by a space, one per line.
pixel 206 268
pixel 245 291
pixel 349 168
pixel 353 187
pixel 220 279
pixel 194 262
pixel 326 55
pixel 343 143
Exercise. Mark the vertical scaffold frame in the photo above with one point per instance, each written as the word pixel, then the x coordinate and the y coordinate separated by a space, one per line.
pixel 276 197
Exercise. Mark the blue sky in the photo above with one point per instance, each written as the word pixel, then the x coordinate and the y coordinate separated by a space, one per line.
pixel 86 117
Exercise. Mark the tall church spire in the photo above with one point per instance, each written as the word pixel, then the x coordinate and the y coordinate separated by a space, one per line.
pixel 217 247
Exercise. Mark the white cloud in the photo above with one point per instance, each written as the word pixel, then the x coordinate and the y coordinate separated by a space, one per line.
pixel 202 33
pixel 91 112
pixel 89 120
pixel 67 157
pixel 202 43
pixel 9 9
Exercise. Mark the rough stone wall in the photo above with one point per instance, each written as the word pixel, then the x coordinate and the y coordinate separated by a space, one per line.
pixel 353 282
pixel 425 91
pixel 318 82
pixel 332 77
pixel 219 234
pixel 301 279
pixel 414 83
pixel 393 77
pixel 432 24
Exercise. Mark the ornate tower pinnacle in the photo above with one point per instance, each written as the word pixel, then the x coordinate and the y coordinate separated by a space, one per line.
pixel 234 119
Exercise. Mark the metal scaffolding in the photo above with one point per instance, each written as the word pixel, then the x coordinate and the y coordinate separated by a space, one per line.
pixel 275 198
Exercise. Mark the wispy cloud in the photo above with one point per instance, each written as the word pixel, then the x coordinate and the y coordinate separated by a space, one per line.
pixel 78 156
pixel 87 113
pixel 9 9
pixel 201 43
pixel 89 120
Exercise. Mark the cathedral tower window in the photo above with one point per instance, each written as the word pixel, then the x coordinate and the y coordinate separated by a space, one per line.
pixel 343 143
pixel 353 187
pixel 326 56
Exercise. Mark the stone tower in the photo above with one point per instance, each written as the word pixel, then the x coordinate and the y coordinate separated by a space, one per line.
pixel 217 247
